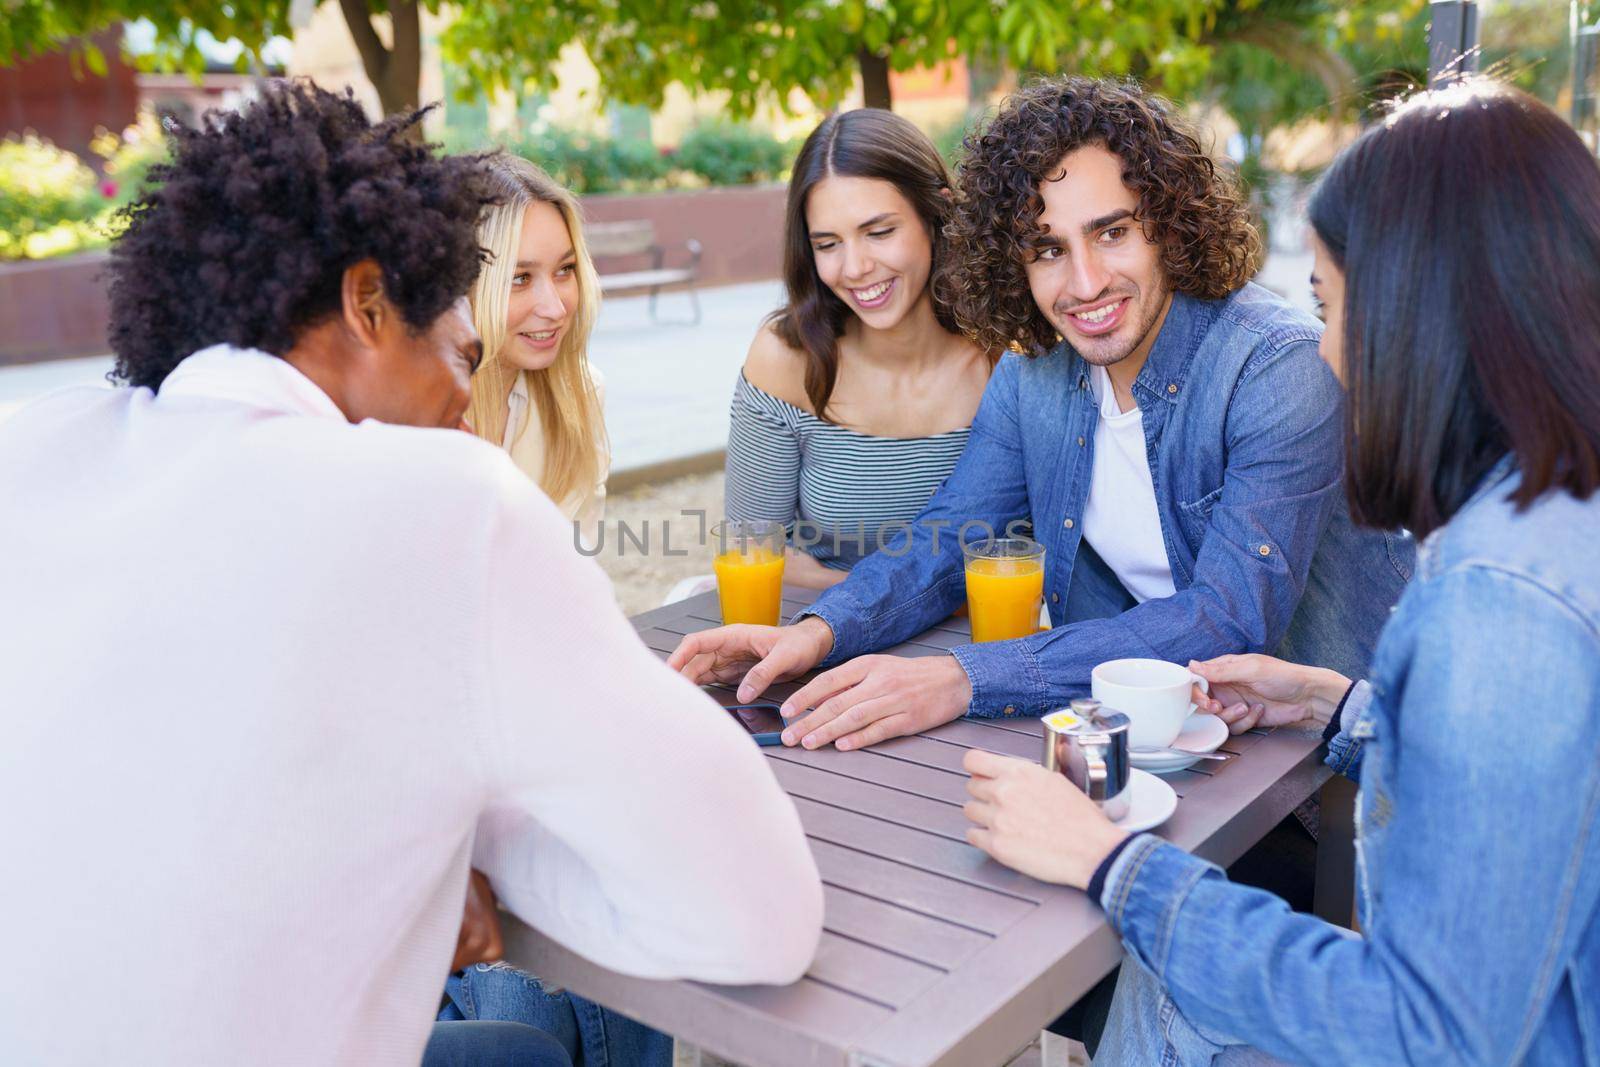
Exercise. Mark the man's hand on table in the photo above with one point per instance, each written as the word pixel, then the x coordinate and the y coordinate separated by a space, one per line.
pixel 859 703
pixel 1035 821
pixel 874 698
pixel 1254 690
pixel 753 656
pixel 479 940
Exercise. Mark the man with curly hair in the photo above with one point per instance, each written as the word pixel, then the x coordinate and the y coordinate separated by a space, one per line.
pixel 283 650
pixel 1165 426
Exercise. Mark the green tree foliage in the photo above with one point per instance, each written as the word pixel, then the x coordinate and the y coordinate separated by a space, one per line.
pixel 758 50
pixel 1273 53
pixel 1276 61
pixel 33 27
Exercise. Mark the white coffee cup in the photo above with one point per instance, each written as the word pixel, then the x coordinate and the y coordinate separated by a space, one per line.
pixel 1152 693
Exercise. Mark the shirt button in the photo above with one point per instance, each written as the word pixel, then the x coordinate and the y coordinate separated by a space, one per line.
pixel 1068 524
pixel 1055 598
pixel 1080 441
pixel 1173 388
pixel 1266 550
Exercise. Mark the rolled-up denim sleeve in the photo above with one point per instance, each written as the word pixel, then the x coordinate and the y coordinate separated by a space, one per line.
pixel 1282 482
pixel 1482 857
pixel 1345 747
pixel 917 578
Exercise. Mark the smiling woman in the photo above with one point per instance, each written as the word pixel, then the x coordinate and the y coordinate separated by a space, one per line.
pixel 534 305
pixel 856 396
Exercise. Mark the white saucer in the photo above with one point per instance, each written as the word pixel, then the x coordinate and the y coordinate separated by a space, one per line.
pixel 1201 733
pixel 1153 803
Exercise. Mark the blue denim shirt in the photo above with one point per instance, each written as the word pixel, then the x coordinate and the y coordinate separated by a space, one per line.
pixel 1244 435
pixel 1478 822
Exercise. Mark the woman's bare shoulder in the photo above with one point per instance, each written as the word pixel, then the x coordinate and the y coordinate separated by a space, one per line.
pixel 777 369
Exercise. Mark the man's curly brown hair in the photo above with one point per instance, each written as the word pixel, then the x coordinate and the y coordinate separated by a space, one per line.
pixel 1194 210
pixel 244 236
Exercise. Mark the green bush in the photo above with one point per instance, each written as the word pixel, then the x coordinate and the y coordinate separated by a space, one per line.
pixel 129 156
pixel 726 154
pixel 48 200
pixel 587 164
pixel 52 204
pixel 711 154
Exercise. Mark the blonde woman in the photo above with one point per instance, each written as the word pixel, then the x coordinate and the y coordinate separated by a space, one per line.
pixel 534 305
pixel 536 396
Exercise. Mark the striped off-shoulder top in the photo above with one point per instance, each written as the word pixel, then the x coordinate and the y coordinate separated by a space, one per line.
pixel 840 492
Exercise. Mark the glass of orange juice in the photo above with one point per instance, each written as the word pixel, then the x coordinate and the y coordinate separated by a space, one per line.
pixel 749 568
pixel 1005 587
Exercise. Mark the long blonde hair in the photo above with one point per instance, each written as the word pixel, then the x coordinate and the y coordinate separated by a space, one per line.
pixel 564 394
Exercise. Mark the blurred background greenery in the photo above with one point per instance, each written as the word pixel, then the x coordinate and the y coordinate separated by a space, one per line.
pixel 630 96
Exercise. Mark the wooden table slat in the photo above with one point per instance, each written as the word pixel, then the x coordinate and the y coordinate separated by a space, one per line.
pixel 867 767
pixel 909 933
pixel 973 734
pixel 809 1005
pixel 685 625
pixel 924 752
pixel 985 910
pixel 924 851
pixel 944 639
pixel 858 967
pixel 890 805
pixel 1020 724
pixel 818 1020
pixel 659 640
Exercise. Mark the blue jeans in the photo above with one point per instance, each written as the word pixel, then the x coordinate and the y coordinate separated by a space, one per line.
pixel 1146 1029
pixel 592 1036
pixel 492 1044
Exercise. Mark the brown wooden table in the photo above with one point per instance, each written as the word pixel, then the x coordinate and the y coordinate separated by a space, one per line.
pixel 931 952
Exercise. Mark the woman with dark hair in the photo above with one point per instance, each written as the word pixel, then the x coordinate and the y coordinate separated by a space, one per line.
pixel 856 396
pixel 1458 261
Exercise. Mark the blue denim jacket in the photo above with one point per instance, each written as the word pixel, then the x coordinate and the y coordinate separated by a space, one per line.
pixel 1243 431
pixel 1478 822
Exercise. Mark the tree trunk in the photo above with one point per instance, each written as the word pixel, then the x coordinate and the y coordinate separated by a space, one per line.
pixel 395 71
pixel 874 79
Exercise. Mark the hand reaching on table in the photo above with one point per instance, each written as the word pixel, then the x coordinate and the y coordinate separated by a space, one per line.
pixel 1254 690
pixel 874 698
pixel 753 656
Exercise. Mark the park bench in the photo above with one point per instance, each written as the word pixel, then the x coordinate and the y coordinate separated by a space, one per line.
pixel 609 240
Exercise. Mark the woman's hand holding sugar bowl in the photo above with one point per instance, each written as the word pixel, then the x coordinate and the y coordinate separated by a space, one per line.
pixel 1034 820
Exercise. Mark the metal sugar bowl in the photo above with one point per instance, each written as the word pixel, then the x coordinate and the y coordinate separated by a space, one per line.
pixel 1089 745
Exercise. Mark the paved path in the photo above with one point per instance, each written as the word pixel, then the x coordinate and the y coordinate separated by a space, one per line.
pixel 667 385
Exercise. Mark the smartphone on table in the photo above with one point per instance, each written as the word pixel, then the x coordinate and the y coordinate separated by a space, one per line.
pixel 762 721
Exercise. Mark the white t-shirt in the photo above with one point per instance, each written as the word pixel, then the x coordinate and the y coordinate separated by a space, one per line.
pixel 270 679
pixel 1120 520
